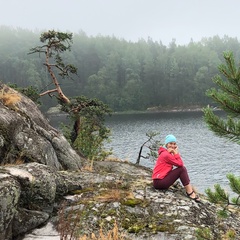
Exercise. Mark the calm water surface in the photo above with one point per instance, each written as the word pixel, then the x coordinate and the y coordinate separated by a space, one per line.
pixel 207 157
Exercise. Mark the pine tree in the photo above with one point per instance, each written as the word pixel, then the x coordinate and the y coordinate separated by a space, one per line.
pixel 227 97
pixel 88 115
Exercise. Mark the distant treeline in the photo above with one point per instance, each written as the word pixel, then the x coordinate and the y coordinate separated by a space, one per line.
pixel 125 75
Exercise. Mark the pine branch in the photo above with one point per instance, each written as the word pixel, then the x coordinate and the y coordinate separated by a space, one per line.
pixel 221 194
pixel 225 102
pixel 234 183
pixel 211 196
pixel 231 89
pixel 229 129
pixel 228 70
pixel 228 98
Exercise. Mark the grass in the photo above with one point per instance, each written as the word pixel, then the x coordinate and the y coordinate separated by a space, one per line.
pixel 18 161
pixel 112 234
pixel 69 223
pixel 9 98
pixel 112 195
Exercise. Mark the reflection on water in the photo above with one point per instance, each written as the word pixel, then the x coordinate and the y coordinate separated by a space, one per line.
pixel 207 157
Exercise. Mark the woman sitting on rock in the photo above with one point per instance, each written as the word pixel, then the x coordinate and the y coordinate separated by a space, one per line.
pixel 164 173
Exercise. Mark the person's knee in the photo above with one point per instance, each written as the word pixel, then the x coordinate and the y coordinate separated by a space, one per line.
pixel 183 169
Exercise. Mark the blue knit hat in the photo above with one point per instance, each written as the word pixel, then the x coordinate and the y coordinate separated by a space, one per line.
pixel 170 138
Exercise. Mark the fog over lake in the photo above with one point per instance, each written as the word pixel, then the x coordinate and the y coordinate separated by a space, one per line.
pixel 165 21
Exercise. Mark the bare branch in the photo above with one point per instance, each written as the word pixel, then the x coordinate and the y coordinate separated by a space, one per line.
pixel 48 92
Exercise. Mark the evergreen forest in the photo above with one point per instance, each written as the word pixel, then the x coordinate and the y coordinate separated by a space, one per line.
pixel 127 76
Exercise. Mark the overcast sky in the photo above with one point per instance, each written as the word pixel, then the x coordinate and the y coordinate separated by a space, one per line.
pixel 161 20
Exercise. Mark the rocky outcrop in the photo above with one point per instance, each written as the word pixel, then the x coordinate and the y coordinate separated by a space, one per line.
pixel 29 188
pixel 28 193
pixel 26 135
pixel 41 184
pixel 113 192
pixel 127 196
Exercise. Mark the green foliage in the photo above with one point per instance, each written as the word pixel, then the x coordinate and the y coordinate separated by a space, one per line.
pixel 56 43
pixel 231 235
pixel 31 92
pixel 90 140
pixel 234 183
pixel 223 213
pixel 92 132
pixel 87 115
pixel 227 96
pixel 228 99
pixel 152 144
pixel 124 75
pixel 219 196
pixel 204 234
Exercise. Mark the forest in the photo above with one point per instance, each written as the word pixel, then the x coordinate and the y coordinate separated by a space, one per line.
pixel 125 75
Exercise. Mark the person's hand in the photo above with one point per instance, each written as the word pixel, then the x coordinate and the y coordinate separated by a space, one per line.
pixel 176 150
pixel 170 150
pixel 173 150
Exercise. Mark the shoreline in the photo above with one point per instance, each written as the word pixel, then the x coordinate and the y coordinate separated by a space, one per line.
pixel 165 110
pixel 147 111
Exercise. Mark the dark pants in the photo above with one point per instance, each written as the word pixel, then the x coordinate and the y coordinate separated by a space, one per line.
pixel 165 183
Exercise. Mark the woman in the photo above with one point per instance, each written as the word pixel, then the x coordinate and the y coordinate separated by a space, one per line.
pixel 164 173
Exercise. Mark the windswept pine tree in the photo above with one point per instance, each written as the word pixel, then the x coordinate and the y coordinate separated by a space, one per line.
pixel 227 97
pixel 87 115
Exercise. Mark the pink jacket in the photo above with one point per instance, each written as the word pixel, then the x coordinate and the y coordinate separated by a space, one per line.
pixel 165 163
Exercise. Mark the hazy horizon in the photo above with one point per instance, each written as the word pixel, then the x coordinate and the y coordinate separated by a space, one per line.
pixel 131 20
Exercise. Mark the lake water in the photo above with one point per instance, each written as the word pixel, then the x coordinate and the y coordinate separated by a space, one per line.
pixel 207 157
